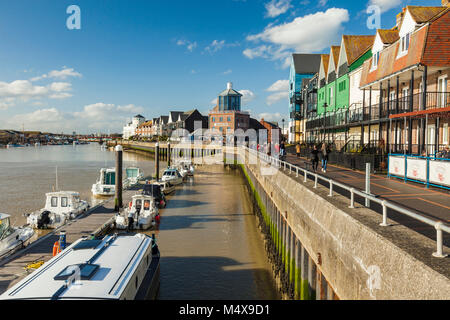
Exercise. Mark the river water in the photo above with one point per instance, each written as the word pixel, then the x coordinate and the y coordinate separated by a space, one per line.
pixel 208 236
pixel 27 174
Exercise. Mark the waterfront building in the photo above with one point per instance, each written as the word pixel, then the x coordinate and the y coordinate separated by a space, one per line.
pixel 227 116
pixel 270 127
pixel 412 75
pixel 145 129
pixel 129 130
pixel 303 66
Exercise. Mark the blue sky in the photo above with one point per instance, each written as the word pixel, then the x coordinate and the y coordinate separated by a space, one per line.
pixel 151 56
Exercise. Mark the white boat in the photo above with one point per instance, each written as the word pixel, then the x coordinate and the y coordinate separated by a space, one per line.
pixel 12 239
pixel 117 267
pixel 60 207
pixel 167 187
pixel 186 168
pixel 134 175
pixel 144 211
pixel 37 144
pixel 173 176
pixel 106 184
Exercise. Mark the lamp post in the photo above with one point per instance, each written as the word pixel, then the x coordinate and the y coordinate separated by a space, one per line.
pixel 282 133
pixel 325 106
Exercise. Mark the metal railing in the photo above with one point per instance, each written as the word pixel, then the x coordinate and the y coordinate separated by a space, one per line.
pixel 438 225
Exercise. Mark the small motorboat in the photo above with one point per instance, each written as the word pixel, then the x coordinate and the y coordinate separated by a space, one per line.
pixel 11 238
pixel 173 176
pixel 166 187
pixel 186 168
pixel 106 184
pixel 117 267
pixel 157 193
pixel 60 207
pixel 144 211
pixel 134 175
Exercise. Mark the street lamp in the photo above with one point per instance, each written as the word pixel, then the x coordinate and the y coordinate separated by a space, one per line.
pixel 325 106
pixel 282 133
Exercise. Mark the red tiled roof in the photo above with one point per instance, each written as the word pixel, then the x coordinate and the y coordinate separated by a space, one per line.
pixel 437 47
pixel 388 36
pixel 355 46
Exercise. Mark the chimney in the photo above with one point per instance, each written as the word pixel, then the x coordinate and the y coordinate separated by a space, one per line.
pixel 446 3
pixel 400 17
pixel 230 85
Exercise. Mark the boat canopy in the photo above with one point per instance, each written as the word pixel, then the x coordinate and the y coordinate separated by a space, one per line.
pixel 132 172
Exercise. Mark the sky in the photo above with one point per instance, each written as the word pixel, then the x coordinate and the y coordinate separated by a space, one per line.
pixel 150 57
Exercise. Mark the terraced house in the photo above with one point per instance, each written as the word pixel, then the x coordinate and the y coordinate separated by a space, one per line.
pixel 387 92
pixel 412 75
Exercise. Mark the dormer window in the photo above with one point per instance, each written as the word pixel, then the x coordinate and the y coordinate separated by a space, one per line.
pixel 404 44
pixel 375 60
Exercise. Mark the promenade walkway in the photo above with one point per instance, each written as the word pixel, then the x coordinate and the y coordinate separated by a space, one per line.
pixel 433 203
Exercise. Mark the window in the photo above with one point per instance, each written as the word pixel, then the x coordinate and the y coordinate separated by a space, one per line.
pixel 64 202
pixel 375 60
pixel 54 202
pixel 221 119
pixel 404 44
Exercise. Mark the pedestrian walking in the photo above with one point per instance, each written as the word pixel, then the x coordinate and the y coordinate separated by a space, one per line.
pixel 298 150
pixel 325 155
pixel 315 158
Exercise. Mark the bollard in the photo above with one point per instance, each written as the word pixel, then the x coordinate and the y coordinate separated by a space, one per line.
pixel 62 240
pixel 439 243
pixel 168 154
pixel 384 223
pixel 315 181
pixel 352 198
pixel 367 183
pixel 305 176
pixel 157 161
pixel 331 188
pixel 118 197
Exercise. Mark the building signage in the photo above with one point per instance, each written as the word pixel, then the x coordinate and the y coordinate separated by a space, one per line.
pixel 417 169
pixel 440 172
pixel 397 166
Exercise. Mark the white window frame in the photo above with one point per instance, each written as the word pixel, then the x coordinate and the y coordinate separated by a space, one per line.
pixel 402 46
pixel 445 134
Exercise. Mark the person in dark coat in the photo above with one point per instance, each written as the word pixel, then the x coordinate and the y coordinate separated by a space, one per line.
pixel 315 158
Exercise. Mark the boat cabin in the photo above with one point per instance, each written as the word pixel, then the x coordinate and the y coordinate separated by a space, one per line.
pixel 108 177
pixel 63 201
pixel 142 203
pixel 5 226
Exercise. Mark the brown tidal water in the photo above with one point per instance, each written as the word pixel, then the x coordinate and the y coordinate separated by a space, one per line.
pixel 209 241
pixel 27 174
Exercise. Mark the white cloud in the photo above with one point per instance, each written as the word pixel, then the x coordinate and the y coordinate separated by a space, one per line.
pixel 247 97
pixel 215 46
pixel 385 5
pixel 280 85
pixel 272 117
pixel 277 7
pixel 276 97
pixel 188 44
pixel 300 35
pixel 94 117
pixel 280 91
pixel 59 74
pixel 229 71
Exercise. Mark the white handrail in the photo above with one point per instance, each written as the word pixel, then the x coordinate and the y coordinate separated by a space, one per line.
pixel 438 225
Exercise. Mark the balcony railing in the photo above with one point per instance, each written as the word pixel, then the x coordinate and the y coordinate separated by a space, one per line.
pixel 356 113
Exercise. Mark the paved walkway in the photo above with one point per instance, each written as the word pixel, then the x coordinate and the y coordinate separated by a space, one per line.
pixel 433 203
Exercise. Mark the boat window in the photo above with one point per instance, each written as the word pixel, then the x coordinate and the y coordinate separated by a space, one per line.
pixel 138 204
pixel 147 205
pixel 64 202
pixel 4 228
pixel 54 202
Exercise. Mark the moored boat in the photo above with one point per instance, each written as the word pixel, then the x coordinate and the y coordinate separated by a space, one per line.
pixel 117 267
pixel 106 184
pixel 60 207
pixel 144 211
pixel 173 176
pixel 134 175
pixel 11 238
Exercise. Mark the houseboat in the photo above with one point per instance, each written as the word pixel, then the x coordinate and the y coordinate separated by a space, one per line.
pixel 117 267
pixel 59 208
pixel 11 238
